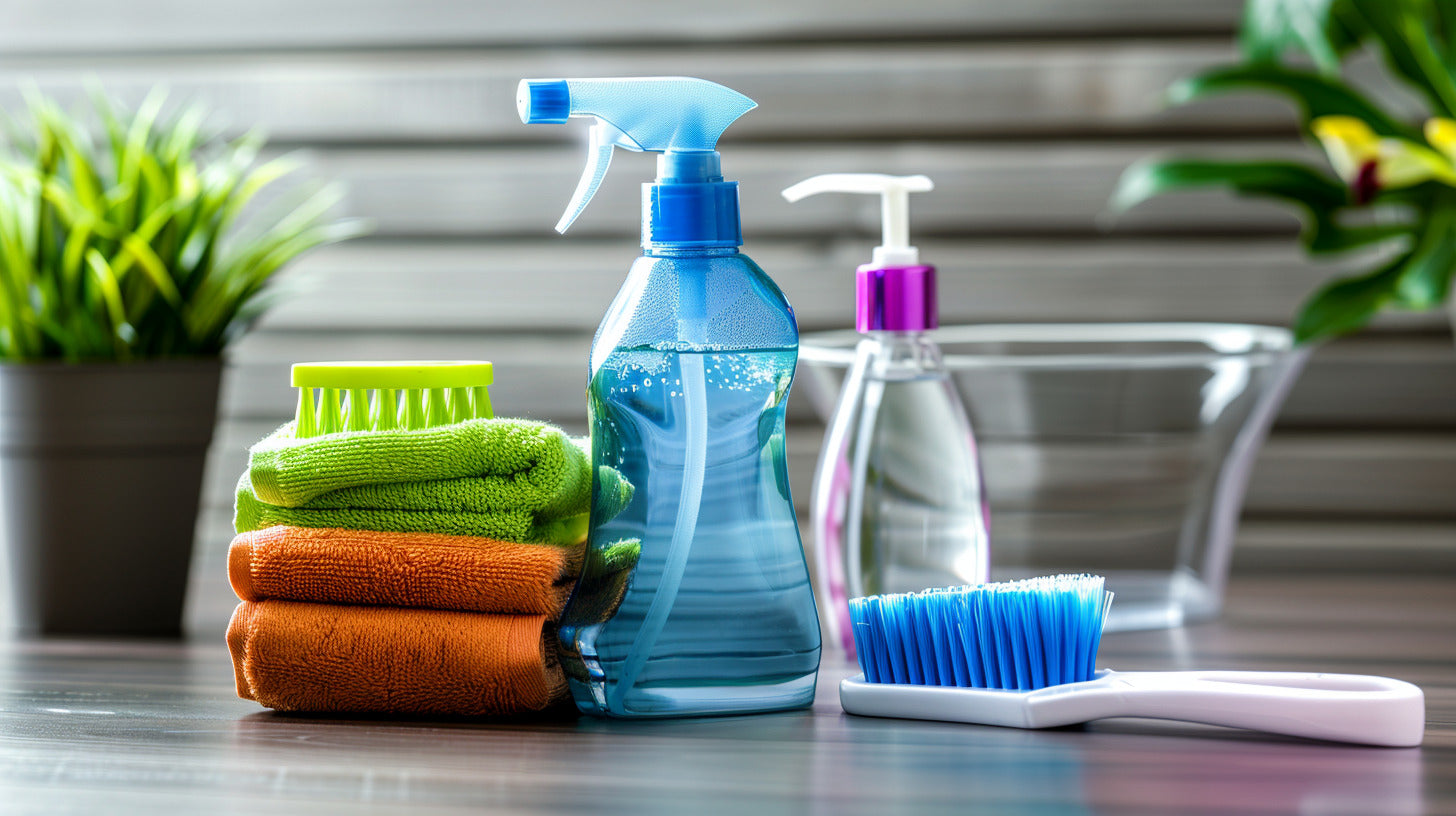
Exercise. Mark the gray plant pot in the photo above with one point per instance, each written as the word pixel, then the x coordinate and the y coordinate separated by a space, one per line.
pixel 100 477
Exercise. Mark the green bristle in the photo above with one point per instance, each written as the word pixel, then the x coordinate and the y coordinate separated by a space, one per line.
pixel 359 397
pixel 305 421
pixel 460 404
pixel 358 416
pixel 413 410
pixel 480 400
pixel 330 412
pixel 437 412
pixel 386 409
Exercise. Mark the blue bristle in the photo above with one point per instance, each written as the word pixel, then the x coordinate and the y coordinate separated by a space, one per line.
pixel 944 655
pixel 1020 635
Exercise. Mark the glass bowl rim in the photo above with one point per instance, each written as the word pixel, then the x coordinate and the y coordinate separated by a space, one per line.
pixel 1252 343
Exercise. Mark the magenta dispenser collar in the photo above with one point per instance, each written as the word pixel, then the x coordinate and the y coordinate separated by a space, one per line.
pixel 896 299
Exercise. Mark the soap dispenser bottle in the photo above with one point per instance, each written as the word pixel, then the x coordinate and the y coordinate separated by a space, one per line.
pixel 898 502
pixel 696 598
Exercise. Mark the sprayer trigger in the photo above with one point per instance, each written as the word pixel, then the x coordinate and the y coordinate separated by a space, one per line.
pixel 601 139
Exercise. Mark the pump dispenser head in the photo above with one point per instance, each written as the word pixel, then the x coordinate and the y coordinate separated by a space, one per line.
pixel 894 291
pixel 679 117
pixel 894 193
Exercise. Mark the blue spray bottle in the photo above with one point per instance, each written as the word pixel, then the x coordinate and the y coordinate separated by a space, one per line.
pixel 695 599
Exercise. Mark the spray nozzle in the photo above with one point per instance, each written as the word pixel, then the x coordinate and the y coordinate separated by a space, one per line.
pixel 894 192
pixel 642 114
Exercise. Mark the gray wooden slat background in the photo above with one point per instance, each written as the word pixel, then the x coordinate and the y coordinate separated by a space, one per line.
pixel 1024 113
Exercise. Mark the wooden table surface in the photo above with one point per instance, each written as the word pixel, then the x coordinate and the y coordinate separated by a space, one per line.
pixel 115 727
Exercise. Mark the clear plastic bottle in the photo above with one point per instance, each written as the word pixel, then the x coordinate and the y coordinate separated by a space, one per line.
pixel 898 504
pixel 694 599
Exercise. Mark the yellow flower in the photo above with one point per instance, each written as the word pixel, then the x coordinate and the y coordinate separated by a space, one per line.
pixel 1370 163
pixel 1441 133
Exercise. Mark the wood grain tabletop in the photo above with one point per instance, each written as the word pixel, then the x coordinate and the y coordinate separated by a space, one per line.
pixel 154 727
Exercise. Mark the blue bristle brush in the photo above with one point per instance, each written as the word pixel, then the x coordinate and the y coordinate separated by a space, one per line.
pixel 1023 654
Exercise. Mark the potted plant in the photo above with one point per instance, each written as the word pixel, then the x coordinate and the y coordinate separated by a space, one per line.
pixel 1388 186
pixel 127 265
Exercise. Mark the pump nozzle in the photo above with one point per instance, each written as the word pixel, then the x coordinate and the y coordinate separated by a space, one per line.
pixel 894 192
pixel 642 114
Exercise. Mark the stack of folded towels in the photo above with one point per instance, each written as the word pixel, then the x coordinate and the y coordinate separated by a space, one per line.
pixel 410 571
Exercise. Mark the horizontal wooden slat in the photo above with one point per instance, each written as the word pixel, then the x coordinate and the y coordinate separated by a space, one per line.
pixel 920 90
pixel 567 283
pixel 1015 187
pixel 1362 473
pixel 1390 382
pixel 38 26
pixel 1271 545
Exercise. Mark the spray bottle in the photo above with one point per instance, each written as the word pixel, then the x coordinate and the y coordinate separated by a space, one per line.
pixel 898 504
pixel 689 375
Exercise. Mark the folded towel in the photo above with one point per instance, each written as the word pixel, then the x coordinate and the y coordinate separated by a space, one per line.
pixel 519 464
pixel 402 569
pixel 320 657
pixel 513 525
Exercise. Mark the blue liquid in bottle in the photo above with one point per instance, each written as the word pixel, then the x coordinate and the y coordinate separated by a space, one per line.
pixel 713 613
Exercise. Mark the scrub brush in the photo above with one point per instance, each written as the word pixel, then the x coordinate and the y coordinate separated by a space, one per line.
pixel 389 395
pixel 1022 654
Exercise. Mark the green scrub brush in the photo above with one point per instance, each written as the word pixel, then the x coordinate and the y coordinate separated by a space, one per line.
pixel 380 396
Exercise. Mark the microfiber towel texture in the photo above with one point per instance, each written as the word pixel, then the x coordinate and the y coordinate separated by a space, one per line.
pixel 294 656
pixel 518 464
pixel 506 479
pixel 402 569
pixel 513 525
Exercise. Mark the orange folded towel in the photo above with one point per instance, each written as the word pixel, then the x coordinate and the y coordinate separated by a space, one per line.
pixel 402 569
pixel 327 658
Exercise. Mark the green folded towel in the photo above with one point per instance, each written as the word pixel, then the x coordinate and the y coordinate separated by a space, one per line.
pixel 507 479
pixel 515 464
pixel 524 526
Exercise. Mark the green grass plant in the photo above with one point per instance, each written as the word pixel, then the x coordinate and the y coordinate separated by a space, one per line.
pixel 128 235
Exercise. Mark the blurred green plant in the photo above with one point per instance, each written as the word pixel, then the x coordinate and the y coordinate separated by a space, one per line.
pixel 1390 187
pixel 134 245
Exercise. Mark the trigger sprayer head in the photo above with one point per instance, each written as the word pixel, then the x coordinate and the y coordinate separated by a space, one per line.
pixel 669 115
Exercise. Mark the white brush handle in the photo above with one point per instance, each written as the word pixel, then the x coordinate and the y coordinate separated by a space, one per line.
pixel 1340 707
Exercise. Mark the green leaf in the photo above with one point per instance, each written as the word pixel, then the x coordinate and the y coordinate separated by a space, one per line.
pixel 140 251
pixel 1347 304
pixel 1447 28
pixel 1425 281
pixel 1272 27
pixel 106 284
pixel 1290 181
pixel 1327 236
pixel 1400 27
pixel 1321 199
pixel 253 183
pixel 1315 95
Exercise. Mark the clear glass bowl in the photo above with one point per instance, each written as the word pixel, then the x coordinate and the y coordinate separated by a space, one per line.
pixel 1117 449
